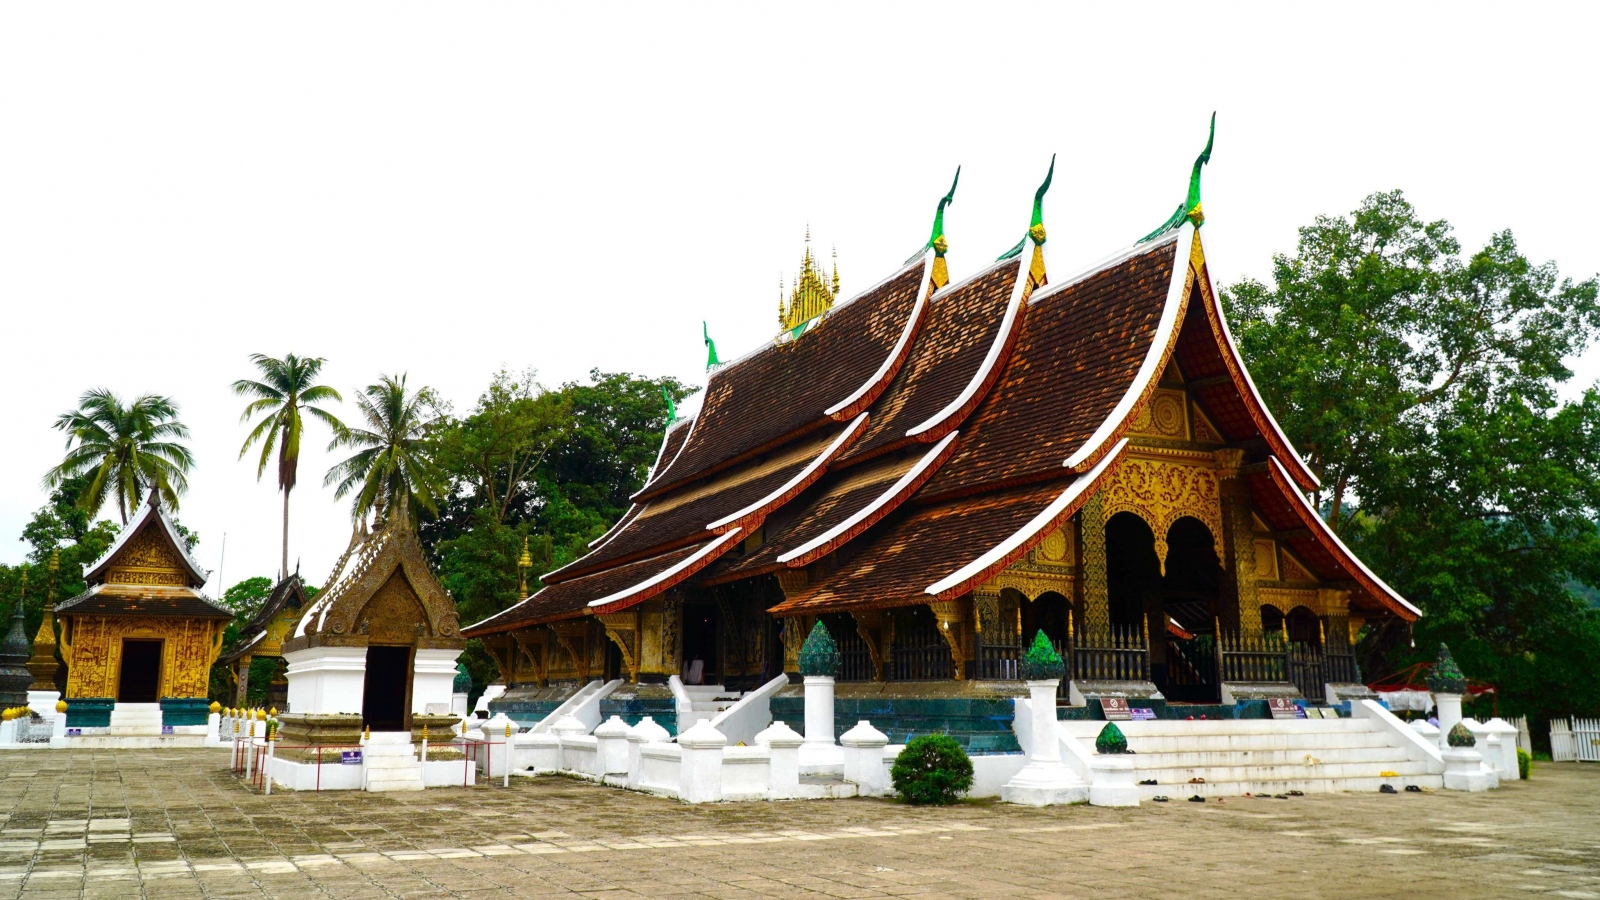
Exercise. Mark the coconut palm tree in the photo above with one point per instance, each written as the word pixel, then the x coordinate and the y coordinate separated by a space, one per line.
pixel 123 451
pixel 393 471
pixel 287 388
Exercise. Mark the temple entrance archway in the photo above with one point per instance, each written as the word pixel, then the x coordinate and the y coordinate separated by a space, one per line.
pixel 386 695
pixel 702 643
pixel 1133 573
pixel 1048 613
pixel 139 681
pixel 1183 637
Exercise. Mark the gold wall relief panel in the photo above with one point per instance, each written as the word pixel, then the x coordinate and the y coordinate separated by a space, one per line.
pixel 94 653
pixel 1294 569
pixel 394 614
pixel 1267 560
pixel 572 635
pixel 795 629
pixel 671 629
pixel 1285 599
pixel 1096 595
pixel 1163 416
pixel 1201 426
pixel 650 639
pixel 1161 492
pixel 1332 602
pixel 1033 581
pixel 986 608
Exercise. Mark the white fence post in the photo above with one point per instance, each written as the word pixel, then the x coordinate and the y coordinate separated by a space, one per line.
pixel 863 759
pixel 1586 739
pixel 1562 747
pixel 784 743
pixel 700 775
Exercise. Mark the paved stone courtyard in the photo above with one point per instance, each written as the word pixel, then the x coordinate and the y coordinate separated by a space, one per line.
pixel 176 824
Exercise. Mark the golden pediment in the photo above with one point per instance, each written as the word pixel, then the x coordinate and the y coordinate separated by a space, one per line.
pixel 149 558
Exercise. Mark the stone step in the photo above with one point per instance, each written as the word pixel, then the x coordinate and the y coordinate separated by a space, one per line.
pixel 1230 789
pixel 1295 757
pixel 1250 774
pixel 1185 727
pixel 1239 743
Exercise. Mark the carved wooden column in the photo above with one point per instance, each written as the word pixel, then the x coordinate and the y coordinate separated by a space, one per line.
pixel 793 582
pixel 1092 562
pixel 1238 539
pixel 870 625
pixel 623 630
pixel 950 618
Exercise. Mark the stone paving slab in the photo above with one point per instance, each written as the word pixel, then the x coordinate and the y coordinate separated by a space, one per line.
pixel 177 824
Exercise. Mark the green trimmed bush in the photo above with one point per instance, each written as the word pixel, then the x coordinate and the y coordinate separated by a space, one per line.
pixel 1111 740
pixel 819 655
pixel 932 770
pixel 1445 677
pixel 1042 662
pixel 1524 763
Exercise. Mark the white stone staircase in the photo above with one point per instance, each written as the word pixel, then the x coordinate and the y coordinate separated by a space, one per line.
pixel 705 701
pixel 1261 756
pixel 389 762
pixel 135 720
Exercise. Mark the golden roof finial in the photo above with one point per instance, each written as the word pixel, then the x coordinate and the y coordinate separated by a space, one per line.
pixel 524 563
pixel 812 294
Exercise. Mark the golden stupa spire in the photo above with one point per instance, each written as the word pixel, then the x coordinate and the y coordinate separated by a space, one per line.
pixel 812 294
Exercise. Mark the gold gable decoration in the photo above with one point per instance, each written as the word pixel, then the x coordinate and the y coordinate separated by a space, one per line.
pixel 1161 493
pixel 812 294
pixel 147 559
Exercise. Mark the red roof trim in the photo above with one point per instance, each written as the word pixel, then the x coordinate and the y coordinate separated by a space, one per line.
pixel 752 515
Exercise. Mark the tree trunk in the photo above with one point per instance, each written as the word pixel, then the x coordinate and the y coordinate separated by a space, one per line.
pixel 283 571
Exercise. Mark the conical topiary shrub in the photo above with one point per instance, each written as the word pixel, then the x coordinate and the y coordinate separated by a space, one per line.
pixel 1446 677
pixel 1042 662
pixel 819 655
pixel 1111 740
pixel 1459 736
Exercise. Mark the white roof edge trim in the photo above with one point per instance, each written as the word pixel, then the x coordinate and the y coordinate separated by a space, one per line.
pixel 668 572
pixel 821 459
pixel 1013 307
pixel 1123 255
pixel 658 470
pixel 899 346
pixel 1306 504
pixel 613 531
pixel 1151 367
pixel 861 514
pixel 1046 516
pixel 1227 336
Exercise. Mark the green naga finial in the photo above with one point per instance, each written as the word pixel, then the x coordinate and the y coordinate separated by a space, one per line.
pixel 1036 224
pixel 672 408
pixel 711 348
pixel 1190 208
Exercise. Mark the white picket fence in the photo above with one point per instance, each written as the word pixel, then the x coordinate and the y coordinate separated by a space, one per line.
pixel 1575 740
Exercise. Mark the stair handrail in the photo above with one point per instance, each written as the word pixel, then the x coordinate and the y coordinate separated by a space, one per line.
pixel 1400 734
pixel 741 722
pixel 583 705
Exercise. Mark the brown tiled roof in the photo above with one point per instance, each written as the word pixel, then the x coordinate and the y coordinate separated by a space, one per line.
pixel 682 516
pixel 1078 352
pixel 905 557
pixel 957 332
pixel 787 387
pixel 571 598
pixel 844 494
pixel 142 600
pixel 1272 493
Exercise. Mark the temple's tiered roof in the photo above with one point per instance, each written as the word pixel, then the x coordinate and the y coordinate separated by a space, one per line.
pixel 942 436
pixel 147 572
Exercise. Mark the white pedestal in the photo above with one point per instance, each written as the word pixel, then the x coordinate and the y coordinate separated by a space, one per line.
pixel 1113 781
pixel 1464 770
pixel 1449 706
pixel 819 755
pixel 326 679
pixel 1045 780
pixel 863 759
pixel 433 676
pixel 43 702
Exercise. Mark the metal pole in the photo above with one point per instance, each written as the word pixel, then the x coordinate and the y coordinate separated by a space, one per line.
pixel 508 754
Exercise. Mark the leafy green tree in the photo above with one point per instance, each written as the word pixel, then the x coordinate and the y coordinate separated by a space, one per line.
pixel 245 597
pixel 1425 389
pixel 287 388
pixel 494 453
pixel 124 449
pixel 392 471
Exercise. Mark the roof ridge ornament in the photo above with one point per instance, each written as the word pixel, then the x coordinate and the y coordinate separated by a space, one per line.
pixel 1190 208
pixel 1036 273
pixel 711 348
pixel 941 271
pixel 812 295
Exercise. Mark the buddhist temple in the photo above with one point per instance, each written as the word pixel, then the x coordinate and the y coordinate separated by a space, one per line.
pixel 938 470
pixel 262 639
pixel 379 641
pixel 139 643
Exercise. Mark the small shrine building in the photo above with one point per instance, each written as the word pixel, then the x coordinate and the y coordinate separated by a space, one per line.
pixel 262 639
pixel 380 641
pixel 140 641
pixel 937 470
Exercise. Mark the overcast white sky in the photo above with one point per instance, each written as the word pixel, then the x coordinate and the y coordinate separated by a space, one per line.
pixel 445 190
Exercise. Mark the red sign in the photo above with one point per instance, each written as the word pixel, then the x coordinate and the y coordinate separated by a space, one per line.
pixel 1284 708
pixel 1115 708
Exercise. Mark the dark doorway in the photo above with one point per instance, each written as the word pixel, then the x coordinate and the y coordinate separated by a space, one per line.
pixel 1133 573
pixel 614 669
pixel 1048 613
pixel 385 700
pixel 1187 644
pixel 140 679
pixel 702 629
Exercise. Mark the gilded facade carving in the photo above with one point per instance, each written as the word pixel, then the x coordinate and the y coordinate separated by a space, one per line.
pixel 1092 540
pixel 623 630
pixel 1163 416
pixel 1267 560
pixel 1161 492
pixel 93 645
pixel 147 559
pixel 950 616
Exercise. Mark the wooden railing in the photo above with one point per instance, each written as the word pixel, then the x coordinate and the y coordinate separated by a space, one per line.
pixel 1252 657
pixel 920 652
pixel 1120 654
pixel 855 660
